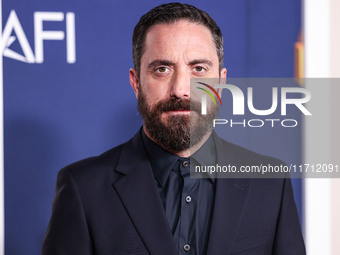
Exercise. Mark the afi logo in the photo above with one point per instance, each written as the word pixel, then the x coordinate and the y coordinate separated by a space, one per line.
pixel 238 100
pixel 40 35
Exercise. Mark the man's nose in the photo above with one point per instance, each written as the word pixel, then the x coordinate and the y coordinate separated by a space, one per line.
pixel 180 85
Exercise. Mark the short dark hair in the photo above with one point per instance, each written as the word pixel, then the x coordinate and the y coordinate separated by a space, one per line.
pixel 168 14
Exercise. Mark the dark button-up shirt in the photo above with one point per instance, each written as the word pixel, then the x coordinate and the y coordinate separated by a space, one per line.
pixel 188 202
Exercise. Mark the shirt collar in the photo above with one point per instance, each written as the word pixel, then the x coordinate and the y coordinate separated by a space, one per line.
pixel 161 160
pixel 206 156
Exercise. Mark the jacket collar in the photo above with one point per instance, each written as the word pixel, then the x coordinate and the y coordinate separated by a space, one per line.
pixel 138 192
pixel 230 200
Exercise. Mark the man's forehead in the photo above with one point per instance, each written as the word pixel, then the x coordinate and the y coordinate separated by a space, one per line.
pixel 183 23
pixel 182 36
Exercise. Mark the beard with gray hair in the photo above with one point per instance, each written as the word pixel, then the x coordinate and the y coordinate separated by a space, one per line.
pixel 177 132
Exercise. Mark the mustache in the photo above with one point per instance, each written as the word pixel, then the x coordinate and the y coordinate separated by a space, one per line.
pixel 178 105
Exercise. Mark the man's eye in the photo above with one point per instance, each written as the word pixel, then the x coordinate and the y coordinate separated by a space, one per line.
pixel 199 69
pixel 162 69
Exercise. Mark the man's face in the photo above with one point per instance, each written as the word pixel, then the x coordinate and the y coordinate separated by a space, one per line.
pixel 174 53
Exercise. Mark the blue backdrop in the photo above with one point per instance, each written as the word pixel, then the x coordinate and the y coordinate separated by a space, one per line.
pixel 59 111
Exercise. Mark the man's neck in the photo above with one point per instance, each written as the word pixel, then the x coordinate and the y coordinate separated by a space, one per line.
pixel 185 153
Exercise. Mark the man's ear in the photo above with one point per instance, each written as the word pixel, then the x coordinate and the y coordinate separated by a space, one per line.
pixel 223 80
pixel 134 81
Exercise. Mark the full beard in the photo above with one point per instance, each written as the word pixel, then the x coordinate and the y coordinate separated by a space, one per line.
pixel 174 132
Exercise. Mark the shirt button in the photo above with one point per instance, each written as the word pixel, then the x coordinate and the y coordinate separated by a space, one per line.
pixel 188 199
pixel 185 163
pixel 186 247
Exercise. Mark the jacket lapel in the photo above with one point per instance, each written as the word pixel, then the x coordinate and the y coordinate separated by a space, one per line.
pixel 138 192
pixel 230 199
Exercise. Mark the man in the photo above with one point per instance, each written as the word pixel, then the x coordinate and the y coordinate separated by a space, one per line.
pixel 138 198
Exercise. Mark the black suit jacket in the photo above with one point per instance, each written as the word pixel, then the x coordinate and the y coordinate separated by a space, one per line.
pixel 109 205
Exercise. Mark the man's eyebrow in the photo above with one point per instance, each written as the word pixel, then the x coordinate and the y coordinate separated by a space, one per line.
pixel 159 62
pixel 164 62
pixel 201 61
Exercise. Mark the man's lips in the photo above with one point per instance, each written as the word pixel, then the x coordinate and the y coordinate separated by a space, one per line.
pixel 178 112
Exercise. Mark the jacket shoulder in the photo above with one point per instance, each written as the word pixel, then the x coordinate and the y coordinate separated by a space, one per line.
pixel 92 168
